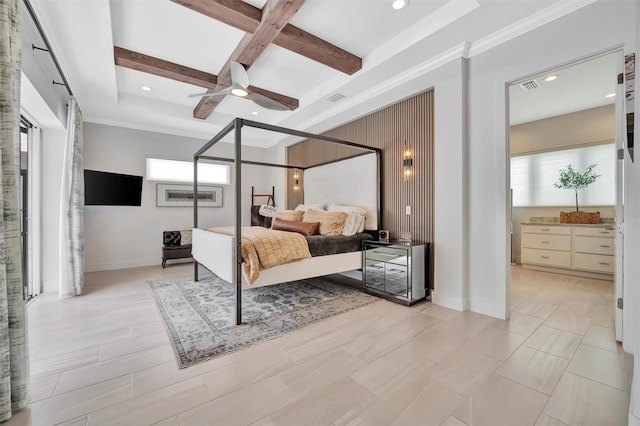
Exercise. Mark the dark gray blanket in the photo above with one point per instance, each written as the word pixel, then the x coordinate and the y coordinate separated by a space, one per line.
pixel 322 245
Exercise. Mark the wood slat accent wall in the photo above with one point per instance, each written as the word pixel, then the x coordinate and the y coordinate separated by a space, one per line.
pixel 410 120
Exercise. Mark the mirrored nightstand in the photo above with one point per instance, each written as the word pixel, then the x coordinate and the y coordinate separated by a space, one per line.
pixel 395 270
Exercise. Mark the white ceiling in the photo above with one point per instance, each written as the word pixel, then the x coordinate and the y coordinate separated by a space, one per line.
pixel 391 43
pixel 577 87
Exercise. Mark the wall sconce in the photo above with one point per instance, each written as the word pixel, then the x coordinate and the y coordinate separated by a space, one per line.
pixel 407 162
pixel 296 180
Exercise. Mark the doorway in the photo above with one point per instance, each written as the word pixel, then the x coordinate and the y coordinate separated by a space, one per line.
pixel 561 118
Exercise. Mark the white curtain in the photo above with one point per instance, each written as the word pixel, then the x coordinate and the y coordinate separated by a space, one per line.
pixel 13 342
pixel 72 208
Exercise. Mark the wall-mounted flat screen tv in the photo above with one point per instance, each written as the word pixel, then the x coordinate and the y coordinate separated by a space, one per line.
pixel 111 189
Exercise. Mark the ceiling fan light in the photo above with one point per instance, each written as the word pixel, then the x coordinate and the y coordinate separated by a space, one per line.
pixel 399 4
pixel 239 91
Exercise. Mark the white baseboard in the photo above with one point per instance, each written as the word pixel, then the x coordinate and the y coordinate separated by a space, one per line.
pixel 451 302
pixel 125 264
pixel 486 307
pixel 565 271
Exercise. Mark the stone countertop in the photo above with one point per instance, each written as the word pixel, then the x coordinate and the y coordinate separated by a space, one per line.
pixel 588 225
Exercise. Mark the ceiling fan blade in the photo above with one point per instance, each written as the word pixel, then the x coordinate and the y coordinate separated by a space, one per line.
pixel 239 75
pixel 209 94
pixel 265 102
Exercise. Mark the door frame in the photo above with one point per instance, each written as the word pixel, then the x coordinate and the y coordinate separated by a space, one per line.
pixel 619 142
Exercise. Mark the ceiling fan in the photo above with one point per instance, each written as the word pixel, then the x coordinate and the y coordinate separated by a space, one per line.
pixel 240 88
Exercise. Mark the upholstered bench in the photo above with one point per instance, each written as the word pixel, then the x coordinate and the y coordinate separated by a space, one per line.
pixel 175 245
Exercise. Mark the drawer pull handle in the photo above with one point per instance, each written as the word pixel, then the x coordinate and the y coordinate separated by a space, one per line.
pixel 545 229
pixel 545 257
pixel 602 245
pixel 604 263
pixel 604 232
pixel 545 242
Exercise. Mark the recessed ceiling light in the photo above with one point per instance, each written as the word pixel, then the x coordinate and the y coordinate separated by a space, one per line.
pixel 609 95
pixel 400 4
pixel 254 113
pixel 551 78
pixel 146 88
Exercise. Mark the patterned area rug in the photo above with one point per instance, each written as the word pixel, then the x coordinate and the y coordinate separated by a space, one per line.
pixel 200 316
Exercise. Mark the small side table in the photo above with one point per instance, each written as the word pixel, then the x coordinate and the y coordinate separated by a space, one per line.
pixel 396 270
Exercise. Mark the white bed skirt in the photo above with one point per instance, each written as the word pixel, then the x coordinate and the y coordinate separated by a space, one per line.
pixel 215 252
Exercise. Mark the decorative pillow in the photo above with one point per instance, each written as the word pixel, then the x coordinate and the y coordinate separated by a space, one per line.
pixel 304 228
pixel 354 222
pixel 185 237
pixel 331 223
pixel 360 210
pixel 171 238
pixel 293 215
pixel 305 207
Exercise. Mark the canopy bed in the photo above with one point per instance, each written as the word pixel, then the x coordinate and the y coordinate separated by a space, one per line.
pixel 342 185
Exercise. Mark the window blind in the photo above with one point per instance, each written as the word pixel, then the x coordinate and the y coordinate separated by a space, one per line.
pixel 533 176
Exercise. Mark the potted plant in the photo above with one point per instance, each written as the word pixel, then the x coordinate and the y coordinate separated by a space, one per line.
pixel 571 179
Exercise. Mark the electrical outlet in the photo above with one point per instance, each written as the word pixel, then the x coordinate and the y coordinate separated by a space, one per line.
pixel 408 210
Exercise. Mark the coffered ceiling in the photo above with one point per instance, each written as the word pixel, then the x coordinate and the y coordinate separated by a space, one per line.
pixel 390 43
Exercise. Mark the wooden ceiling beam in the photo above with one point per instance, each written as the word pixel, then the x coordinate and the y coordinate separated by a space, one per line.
pixel 145 63
pixel 245 17
pixel 275 15
pixel 235 13
pixel 156 66
pixel 290 103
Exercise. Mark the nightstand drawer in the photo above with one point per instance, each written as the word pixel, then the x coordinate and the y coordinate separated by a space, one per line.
pixel 594 245
pixel 594 231
pixel 547 242
pixel 387 254
pixel 560 259
pixel 541 229
pixel 594 262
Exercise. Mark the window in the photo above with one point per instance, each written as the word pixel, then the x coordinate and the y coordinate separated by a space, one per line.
pixel 533 176
pixel 182 171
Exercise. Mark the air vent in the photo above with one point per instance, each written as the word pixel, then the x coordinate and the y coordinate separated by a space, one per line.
pixel 335 98
pixel 529 85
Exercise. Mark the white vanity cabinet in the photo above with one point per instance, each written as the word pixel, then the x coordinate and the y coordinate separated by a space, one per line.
pixel 572 249
pixel 546 245
pixel 594 249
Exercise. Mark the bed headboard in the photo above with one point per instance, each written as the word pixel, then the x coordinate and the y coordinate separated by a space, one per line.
pixel 353 181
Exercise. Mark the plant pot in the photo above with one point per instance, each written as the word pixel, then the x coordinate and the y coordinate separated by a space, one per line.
pixel 580 217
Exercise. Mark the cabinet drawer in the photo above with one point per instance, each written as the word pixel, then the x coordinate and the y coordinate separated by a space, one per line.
pixel 560 259
pixel 387 254
pixel 594 245
pixel 550 242
pixel 541 229
pixel 594 231
pixel 594 262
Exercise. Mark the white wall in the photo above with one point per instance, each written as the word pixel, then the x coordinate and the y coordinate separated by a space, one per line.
pixel 123 236
pixel 590 126
pixel 592 29
pixel 451 255
pixel 52 153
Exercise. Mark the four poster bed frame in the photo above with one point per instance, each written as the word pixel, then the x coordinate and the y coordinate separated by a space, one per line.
pixel 221 254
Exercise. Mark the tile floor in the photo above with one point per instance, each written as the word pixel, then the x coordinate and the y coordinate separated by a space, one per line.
pixel 104 358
